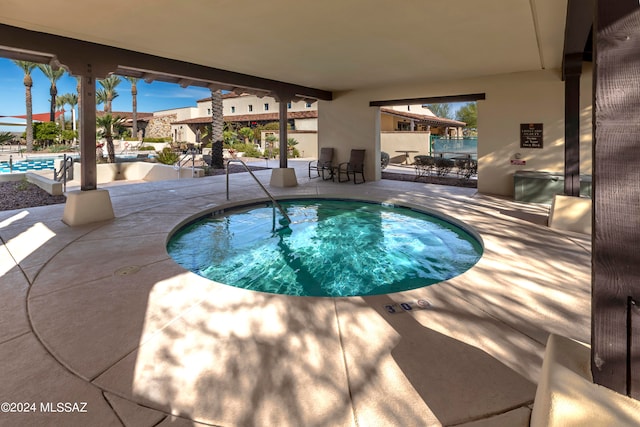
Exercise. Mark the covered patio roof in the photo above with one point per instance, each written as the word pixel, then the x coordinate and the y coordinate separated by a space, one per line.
pixel 330 45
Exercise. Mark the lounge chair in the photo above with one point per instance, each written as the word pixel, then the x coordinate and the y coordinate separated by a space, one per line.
pixel 324 163
pixel 354 166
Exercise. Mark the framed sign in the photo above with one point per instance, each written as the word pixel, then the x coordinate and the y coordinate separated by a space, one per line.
pixel 530 135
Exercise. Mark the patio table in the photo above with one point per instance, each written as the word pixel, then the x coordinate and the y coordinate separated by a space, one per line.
pixel 406 154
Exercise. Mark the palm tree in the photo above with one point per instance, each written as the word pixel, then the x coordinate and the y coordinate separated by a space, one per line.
pixel 108 91
pixel 134 105
pixel 53 76
pixel 108 127
pixel 101 98
pixel 27 68
pixel 246 133
pixel 72 99
pixel 61 101
pixel 217 127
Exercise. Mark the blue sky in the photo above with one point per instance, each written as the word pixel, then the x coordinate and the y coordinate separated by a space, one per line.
pixel 155 96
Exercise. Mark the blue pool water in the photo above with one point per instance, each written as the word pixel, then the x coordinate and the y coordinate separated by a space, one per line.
pixel 331 248
pixel 28 165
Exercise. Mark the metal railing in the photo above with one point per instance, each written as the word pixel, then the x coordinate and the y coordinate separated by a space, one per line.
pixel 274 202
pixel 65 173
pixel 190 156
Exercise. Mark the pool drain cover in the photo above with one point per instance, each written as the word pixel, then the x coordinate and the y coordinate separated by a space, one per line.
pixel 127 271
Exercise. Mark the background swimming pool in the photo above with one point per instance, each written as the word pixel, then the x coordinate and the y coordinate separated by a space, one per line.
pixel 28 165
pixel 332 248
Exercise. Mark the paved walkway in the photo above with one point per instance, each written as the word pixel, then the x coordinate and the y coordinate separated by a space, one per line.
pixel 100 314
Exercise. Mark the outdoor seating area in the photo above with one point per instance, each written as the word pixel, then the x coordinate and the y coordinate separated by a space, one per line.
pixel 355 166
pixel 462 167
pixel 323 166
pixel 143 342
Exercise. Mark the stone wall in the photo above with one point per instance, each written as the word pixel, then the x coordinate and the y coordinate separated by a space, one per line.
pixel 160 126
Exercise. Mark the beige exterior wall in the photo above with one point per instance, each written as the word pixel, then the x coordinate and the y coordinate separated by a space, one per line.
pixel 532 97
pixel 307 141
pixel 395 144
pixel 242 103
pixel 306 124
pixel 387 123
pixel 180 133
pixel 413 108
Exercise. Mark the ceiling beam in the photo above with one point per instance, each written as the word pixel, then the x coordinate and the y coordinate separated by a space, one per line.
pixel 78 55
pixel 577 30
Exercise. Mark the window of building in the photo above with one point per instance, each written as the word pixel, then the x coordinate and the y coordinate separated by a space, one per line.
pixel 404 126
pixel 233 109
pixel 288 105
pixel 308 105
pixel 266 107
pixel 250 108
pixel 208 111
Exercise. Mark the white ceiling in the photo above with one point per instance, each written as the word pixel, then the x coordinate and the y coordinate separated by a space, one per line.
pixel 325 44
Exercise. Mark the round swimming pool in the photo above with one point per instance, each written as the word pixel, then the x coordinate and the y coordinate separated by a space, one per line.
pixel 331 248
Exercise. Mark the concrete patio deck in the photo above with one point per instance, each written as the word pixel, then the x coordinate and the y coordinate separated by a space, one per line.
pixel 101 314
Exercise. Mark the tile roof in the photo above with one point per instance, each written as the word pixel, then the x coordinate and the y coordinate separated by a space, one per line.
pixel 430 120
pixel 312 114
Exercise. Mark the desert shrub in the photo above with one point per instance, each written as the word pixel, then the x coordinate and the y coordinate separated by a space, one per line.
pixel 60 148
pixel 164 139
pixel 249 150
pixel 167 156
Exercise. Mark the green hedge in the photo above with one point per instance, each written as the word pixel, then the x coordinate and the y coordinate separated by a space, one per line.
pixel 165 139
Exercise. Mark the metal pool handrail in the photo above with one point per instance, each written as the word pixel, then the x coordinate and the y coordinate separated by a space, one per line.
pixel 191 155
pixel 275 203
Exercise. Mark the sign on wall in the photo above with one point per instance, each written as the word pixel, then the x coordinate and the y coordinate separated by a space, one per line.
pixel 530 135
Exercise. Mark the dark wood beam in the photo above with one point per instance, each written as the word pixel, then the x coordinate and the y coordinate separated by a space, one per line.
pixel 577 30
pixel 430 100
pixel 615 361
pixel 75 54
pixel 88 175
pixel 283 98
pixel 573 71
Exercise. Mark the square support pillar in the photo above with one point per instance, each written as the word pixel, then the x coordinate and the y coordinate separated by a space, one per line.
pixel 85 207
pixel 571 214
pixel 283 177
pixel 566 395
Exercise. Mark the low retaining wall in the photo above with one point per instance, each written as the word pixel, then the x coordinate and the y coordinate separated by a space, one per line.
pixel 49 185
pixel 138 171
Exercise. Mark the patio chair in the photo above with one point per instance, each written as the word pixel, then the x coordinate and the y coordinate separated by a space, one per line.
pixel 466 168
pixel 324 163
pixel 354 166
pixel 424 165
pixel 443 166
